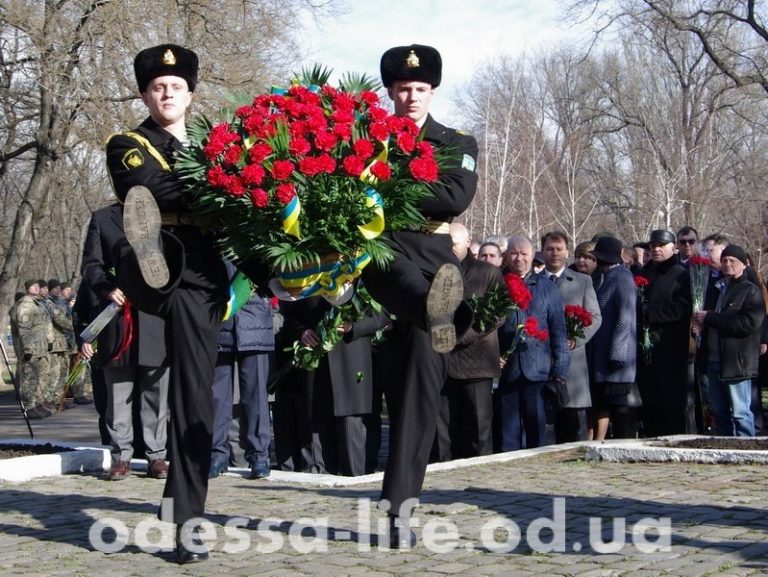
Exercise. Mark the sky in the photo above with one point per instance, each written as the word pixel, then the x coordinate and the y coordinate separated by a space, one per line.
pixel 467 35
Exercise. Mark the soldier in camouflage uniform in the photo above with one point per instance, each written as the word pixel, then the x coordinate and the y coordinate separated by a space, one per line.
pixel 60 353
pixel 35 333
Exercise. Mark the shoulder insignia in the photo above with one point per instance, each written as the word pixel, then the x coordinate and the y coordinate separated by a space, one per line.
pixel 133 158
pixel 468 162
pixel 461 132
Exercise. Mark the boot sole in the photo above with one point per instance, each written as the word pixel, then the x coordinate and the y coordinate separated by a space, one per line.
pixel 445 295
pixel 141 223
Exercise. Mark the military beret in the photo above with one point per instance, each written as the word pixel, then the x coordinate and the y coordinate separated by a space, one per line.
pixel 414 62
pixel 735 251
pixel 165 60
pixel 662 236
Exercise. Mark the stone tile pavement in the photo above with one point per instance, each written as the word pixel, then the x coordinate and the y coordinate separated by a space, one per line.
pixel 573 518
pixel 553 514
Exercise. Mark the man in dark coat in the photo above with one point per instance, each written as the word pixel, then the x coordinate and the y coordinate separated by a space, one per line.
pixel 131 354
pixel 466 415
pixel 319 414
pixel 181 278
pixel 423 286
pixel 667 312
pixel 731 335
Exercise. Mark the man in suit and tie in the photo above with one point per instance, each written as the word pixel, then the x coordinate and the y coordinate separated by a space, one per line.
pixel 575 289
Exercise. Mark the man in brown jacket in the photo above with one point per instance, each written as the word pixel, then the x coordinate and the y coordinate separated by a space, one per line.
pixel 464 425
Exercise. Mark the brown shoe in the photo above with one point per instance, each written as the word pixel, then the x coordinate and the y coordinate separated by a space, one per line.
pixel 444 297
pixel 157 469
pixel 141 223
pixel 119 471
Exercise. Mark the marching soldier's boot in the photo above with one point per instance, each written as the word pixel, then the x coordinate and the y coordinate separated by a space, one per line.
pixel 141 223
pixel 189 546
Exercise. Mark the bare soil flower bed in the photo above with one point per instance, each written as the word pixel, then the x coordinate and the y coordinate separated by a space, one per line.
pixel 12 451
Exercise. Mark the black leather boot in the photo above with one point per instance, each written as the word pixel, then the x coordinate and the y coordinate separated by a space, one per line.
pixel 401 536
pixel 191 538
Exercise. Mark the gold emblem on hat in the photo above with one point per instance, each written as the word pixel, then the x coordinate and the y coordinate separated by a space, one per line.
pixel 169 59
pixel 412 61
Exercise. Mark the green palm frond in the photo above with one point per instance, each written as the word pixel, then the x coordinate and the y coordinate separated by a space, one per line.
pixel 356 83
pixel 318 75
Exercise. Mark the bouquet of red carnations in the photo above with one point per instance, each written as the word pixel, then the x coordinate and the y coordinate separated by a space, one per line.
pixel 307 178
pixel 499 301
pixel 645 340
pixel 577 318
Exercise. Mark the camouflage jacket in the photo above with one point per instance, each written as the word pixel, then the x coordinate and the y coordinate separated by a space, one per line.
pixel 34 326
pixel 63 330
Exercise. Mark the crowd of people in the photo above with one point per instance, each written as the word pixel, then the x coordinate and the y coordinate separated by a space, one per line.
pixel 649 357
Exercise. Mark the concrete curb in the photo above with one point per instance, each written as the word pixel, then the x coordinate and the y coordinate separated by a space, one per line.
pixel 655 451
pixel 81 459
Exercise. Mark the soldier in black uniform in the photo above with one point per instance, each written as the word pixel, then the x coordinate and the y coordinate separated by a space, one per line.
pixel 423 287
pixel 177 275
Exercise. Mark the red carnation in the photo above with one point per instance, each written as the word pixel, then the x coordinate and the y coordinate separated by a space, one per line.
pixel 216 176
pixel 377 113
pixel 353 165
pixel 381 170
pixel 379 131
pixel 344 101
pixel 285 192
pixel 253 174
pixel 244 111
pixel 406 142
pixel 518 292
pixel 259 198
pixel 327 163
pixel 343 131
pixel 424 169
pixel 258 152
pixel 424 148
pixel 363 148
pixel 299 146
pixel 310 166
pixel 325 141
pixel 234 186
pixel 282 169
pixel 369 97
pixel 641 281
pixel 531 328
pixel 698 260
pixel 233 155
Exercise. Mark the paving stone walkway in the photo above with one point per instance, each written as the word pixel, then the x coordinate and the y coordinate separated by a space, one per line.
pixel 548 515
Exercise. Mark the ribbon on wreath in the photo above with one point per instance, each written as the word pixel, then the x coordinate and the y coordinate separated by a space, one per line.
pixel 240 292
pixel 326 278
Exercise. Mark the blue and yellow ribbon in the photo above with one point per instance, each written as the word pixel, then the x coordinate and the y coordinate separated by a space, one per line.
pixel 291 213
pixel 375 227
pixel 324 279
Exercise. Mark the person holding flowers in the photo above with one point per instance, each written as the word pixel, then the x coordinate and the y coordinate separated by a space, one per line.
pixel 180 276
pixel 576 290
pixel 613 349
pixel 666 311
pixel 422 286
pixel 534 363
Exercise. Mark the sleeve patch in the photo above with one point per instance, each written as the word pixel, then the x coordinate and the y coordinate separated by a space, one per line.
pixel 468 162
pixel 133 159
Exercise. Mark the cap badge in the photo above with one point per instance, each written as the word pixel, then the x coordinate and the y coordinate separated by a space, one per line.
pixel 412 61
pixel 168 58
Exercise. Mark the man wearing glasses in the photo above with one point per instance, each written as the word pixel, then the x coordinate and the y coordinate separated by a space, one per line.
pixel 687 237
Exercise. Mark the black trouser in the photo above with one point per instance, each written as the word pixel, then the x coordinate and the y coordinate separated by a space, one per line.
pixel 410 442
pixel 465 422
pixel 192 305
pixel 570 425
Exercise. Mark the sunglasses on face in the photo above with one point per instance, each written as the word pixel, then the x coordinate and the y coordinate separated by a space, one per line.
pixel 686 241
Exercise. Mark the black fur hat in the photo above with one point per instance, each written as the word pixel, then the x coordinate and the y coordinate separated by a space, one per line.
pixel 414 62
pixel 165 60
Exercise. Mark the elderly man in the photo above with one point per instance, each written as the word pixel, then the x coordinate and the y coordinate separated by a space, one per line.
pixel 533 364
pixel 731 334
pixel 667 313
pixel 687 238
pixel 575 289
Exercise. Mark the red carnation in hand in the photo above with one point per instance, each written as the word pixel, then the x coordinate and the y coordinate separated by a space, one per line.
pixel 698 260
pixel 531 328
pixel 285 192
pixel 259 198
pixel 641 281
pixel 424 148
pixel 381 170
pixel 406 142
pixel 518 292
pixel 282 169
